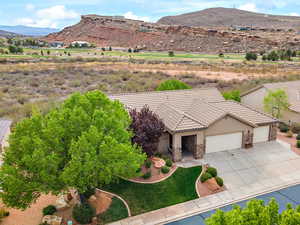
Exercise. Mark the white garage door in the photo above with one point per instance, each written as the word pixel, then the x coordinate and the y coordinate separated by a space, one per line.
pixel 223 142
pixel 261 134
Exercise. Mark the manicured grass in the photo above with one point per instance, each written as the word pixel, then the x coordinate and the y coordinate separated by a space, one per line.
pixel 116 211
pixel 178 188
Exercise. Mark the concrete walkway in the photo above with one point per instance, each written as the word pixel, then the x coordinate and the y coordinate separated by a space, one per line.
pixel 247 173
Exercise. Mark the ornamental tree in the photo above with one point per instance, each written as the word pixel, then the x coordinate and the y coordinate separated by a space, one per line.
pixel 82 144
pixel 172 85
pixel 276 102
pixel 147 128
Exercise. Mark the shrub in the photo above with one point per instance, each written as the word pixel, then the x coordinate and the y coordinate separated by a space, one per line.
pixel 206 176
pixel 212 171
pixel 171 54
pixel 169 162
pixel 49 210
pixel 139 170
pixel 283 128
pixel 295 128
pixel 220 181
pixel 88 193
pixel 298 144
pixel 158 154
pixel 83 213
pixel 273 56
pixel 147 175
pixel 298 137
pixel 172 85
pixel 234 95
pixel 165 169
pixel 148 163
pixel 289 134
pixel 251 56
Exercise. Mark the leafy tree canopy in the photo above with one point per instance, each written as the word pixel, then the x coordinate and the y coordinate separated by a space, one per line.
pixel 147 128
pixel 232 95
pixel 256 212
pixel 81 144
pixel 276 102
pixel 172 85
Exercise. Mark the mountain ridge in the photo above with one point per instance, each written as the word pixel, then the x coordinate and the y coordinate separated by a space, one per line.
pixel 27 30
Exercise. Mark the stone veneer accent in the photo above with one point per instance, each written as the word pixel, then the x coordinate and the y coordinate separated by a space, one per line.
pixel 177 154
pixel 273 132
pixel 199 151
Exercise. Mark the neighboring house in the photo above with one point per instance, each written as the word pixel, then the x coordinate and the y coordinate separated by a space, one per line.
pixel 255 98
pixel 200 121
pixel 4 133
pixel 56 44
pixel 80 44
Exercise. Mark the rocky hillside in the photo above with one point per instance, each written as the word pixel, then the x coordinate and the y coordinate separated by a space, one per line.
pixel 227 17
pixel 6 34
pixel 121 32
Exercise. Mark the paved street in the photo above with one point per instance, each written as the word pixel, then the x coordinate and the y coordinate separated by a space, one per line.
pixel 283 197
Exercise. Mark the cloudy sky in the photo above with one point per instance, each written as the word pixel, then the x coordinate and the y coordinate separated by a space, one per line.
pixel 61 13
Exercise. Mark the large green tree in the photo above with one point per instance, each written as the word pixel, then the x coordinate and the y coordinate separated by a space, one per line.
pixel 256 213
pixel 82 144
pixel 276 102
pixel 172 85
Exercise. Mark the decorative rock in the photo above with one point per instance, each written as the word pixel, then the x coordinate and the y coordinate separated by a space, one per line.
pixel 52 220
pixel 61 203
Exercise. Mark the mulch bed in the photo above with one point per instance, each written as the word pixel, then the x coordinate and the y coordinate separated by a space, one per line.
pixel 156 174
pixel 209 187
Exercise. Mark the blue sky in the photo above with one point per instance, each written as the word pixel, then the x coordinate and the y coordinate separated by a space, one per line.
pixel 61 13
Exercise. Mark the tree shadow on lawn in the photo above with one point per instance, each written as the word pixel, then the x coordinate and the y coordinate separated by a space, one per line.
pixel 141 198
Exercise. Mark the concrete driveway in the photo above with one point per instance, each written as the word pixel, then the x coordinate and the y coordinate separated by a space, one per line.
pixel 265 165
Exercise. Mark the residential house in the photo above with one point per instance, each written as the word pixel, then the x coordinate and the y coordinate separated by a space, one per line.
pixel 200 121
pixel 255 98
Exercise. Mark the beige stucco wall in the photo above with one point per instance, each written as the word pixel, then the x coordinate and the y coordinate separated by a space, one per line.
pixel 227 125
pixel 291 116
pixel 255 99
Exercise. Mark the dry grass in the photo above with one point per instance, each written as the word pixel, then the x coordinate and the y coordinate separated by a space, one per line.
pixel 24 86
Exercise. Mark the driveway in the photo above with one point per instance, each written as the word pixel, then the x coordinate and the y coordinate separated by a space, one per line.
pixel 265 165
pixel 283 197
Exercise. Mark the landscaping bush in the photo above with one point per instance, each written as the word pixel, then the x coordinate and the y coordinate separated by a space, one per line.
pixel 148 163
pixel 251 56
pixel 295 128
pixel 289 134
pixel 283 128
pixel 220 181
pixel 158 154
pixel 139 170
pixel 298 137
pixel 172 85
pixel 206 176
pixel 147 175
pixel 169 162
pixel 49 210
pixel 87 194
pixel 212 171
pixel 171 54
pixel 298 144
pixel 83 213
pixel 165 169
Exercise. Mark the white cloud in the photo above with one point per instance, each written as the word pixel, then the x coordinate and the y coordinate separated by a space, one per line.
pixel 47 17
pixel 29 7
pixel 132 16
pixel 294 14
pixel 249 7
pixel 58 12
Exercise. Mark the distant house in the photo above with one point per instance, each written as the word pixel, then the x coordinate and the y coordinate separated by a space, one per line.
pixel 80 44
pixel 56 44
pixel 201 121
pixel 255 98
pixel 4 133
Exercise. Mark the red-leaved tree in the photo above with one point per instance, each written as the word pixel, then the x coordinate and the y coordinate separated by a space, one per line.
pixel 147 128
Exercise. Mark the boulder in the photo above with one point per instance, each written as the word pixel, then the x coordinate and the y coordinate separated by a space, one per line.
pixel 52 220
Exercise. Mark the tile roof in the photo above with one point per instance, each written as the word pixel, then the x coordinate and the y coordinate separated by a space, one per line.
pixel 192 109
pixel 4 127
pixel 292 88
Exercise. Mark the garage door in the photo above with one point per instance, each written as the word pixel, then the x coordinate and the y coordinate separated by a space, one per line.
pixel 261 134
pixel 223 142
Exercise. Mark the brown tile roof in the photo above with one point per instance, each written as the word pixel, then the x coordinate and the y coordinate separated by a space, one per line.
pixel 192 109
pixel 4 127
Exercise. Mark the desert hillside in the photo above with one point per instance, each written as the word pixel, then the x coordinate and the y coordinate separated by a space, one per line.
pixel 227 17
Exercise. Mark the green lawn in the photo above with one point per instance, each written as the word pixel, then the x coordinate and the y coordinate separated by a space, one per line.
pixel 116 211
pixel 178 188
